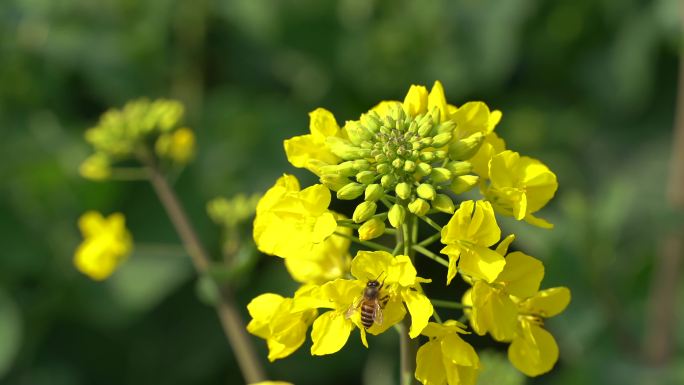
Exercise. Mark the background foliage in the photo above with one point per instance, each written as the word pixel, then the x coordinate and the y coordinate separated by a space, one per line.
pixel 587 86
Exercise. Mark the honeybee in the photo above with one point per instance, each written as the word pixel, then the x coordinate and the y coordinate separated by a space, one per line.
pixel 370 303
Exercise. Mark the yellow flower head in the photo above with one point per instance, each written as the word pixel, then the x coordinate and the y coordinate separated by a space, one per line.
pixel 520 186
pixel 468 236
pixel 534 350
pixel 400 287
pixel 106 244
pixel 446 358
pixel 327 260
pixel 290 222
pixel 275 320
pixel 311 151
pixel 493 308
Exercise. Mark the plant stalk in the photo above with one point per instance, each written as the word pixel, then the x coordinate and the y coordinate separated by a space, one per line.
pixel 231 321
pixel 408 347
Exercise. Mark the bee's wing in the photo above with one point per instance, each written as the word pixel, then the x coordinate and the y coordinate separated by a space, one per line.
pixel 352 308
pixel 377 313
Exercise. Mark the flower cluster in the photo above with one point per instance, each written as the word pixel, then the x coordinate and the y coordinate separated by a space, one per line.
pixel 122 134
pixel 401 163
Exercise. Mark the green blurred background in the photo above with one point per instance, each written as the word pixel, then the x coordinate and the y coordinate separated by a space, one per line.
pixel 587 86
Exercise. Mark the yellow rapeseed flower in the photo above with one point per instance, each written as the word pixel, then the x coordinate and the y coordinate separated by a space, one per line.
pixel 290 222
pixel 311 151
pixel 520 186
pixel 275 319
pixel 401 287
pixel 178 146
pixel 468 236
pixel 105 246
pixel 446 358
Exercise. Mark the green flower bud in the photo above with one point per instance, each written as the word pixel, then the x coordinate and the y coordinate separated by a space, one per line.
pixel 403 190
pixel 465 148
pixel 383 168
pixel 374 192
pixel 388 181
pixel 409 166
pixel 427 156
pixel 419 207
pixel 446 126
pixel 443 203
pixel 345 149
pixel 371 229
pixel 366 177
pixel 372 122
pixel 396 215
pixel 426 191
pixel 463 183
pixel 441 139
pixel 334 181
pixel 426 142
pixel 424 169
pixel 440 175
pixel 380 158
pixel 459 168
pixel 350 191
pixel 425 128
pixel 440 155
pixel 364 211
pixel 398 163
pixel 361 165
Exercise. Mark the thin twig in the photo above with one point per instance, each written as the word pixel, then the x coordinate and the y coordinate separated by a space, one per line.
pixel 448 304
pixel 232 322
pixel 432 223
pixel 408 347
pixel 662 304
pixel 369 244
pixel 431 255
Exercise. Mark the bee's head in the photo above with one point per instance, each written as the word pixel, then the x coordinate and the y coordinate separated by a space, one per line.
pixel 373 283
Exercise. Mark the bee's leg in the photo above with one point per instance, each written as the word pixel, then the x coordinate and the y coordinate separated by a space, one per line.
pixel 383 301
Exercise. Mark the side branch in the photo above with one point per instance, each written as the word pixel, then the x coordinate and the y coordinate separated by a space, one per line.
pixel 230 318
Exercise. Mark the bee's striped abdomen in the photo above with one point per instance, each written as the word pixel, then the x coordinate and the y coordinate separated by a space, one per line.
pixel 367 314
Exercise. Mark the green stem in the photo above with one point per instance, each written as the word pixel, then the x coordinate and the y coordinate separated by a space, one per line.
pixel 369 244
pixel 398 248
pixel 431 255
pixel 448 304
pixel 430 240
pixel 229 315
pixel 436 316
pixel 408 347
pixel 128 173
pixel 432 223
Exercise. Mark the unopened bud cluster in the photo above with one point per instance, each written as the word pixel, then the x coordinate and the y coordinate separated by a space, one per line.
pixel 411 160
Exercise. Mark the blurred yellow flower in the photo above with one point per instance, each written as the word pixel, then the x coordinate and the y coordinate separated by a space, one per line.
pixel 468 236
pixel 446 358
pixel 520 186
pixel 106 244
pixel 178 146
pixel 95 167
pixel 275 320
pixel 290 222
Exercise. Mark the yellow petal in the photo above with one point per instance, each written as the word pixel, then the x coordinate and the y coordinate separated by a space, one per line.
pixel 330 332
pixel 420 308
pixel 436 99
pixel 369 265
pixel 91 223
pixel 416 100
pixel 393 312
pixel 271 383
pixel 522 274
pixel 429 367
pixel 453 259
pixel 548 303
pixel 502 247
pixel 493 312
pixel 322 124
pixel 402 271
pixel 534 351
pixel 481 262
pixel 460 361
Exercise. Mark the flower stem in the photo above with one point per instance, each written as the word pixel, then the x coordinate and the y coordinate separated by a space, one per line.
pixel 230 318
pixel 408 347
pixel 432 223
pixel 429 240
pixel 448 304
pixel 431 255
pixel 369 244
